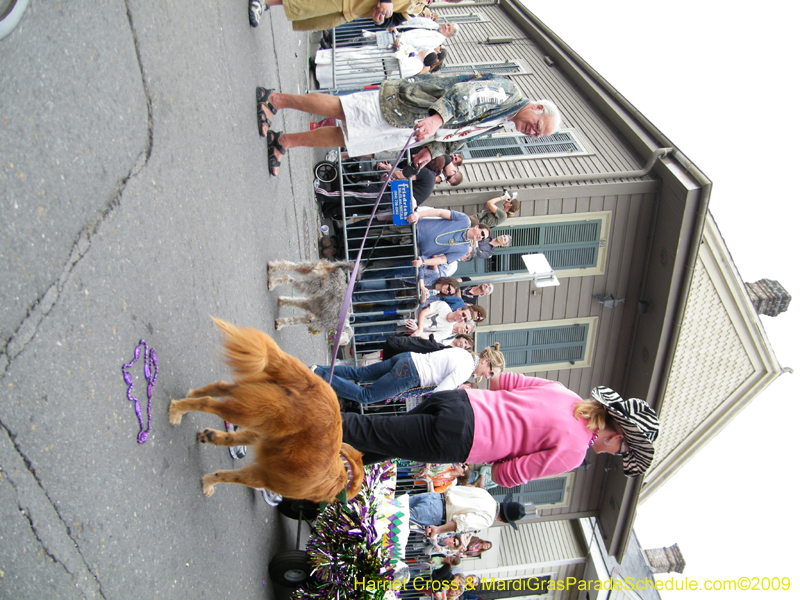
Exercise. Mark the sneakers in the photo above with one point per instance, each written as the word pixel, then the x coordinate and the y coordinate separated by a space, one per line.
pixel 514 195
pixel 254 11
pixel 237 452
pixel 270 498
pixel 507 193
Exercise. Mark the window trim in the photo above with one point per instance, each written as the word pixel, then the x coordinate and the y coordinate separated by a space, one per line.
pixel 577 138
pixel 588 356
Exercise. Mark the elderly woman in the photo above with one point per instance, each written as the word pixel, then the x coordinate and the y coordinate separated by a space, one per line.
pixel 528 427
pixel 486 247
pixel 446 369
pixel 470 293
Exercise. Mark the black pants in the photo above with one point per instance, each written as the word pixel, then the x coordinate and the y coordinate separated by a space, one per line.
pixel 440 430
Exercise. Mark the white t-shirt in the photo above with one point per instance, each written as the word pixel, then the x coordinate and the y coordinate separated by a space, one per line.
pixel 446 369
pixel 436 322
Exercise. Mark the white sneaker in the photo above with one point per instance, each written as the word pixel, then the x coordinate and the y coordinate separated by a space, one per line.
pixel 270 498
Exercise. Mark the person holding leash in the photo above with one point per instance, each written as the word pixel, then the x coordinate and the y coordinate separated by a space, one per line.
pixel 527 427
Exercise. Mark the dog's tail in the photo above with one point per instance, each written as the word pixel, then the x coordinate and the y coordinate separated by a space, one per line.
pixel 247 350
pixel 353 457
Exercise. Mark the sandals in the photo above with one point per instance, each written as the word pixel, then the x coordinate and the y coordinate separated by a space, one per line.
pixel 272 145
pixel 263 104
pixel 254 11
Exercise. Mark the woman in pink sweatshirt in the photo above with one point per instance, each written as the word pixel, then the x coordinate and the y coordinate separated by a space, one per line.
pixel 528 427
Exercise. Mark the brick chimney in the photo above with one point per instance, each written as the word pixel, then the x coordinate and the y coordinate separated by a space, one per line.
pixel 665 560
pixel 768 296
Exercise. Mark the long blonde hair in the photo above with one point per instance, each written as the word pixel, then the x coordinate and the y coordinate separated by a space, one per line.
pixel 594 412
pixel 457 585
pixel 496 358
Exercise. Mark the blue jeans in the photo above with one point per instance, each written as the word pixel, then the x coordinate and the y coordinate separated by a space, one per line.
pixel 427 509
pixel 389 377
pixel 386 292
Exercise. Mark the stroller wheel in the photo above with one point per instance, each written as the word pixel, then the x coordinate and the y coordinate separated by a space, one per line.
pixel 326 171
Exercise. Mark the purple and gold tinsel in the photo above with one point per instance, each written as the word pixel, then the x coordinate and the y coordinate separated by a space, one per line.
pixel 344 546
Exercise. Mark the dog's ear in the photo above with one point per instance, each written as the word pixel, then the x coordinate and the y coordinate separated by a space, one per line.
pixel 353 457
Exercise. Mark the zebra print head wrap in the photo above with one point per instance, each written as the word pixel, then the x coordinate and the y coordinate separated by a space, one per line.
pixel 639 424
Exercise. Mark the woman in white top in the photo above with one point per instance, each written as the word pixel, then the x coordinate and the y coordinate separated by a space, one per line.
pixel 371 65
pixel 446 369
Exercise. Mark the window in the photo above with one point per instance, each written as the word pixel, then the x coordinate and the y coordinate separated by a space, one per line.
pixel 464 18
pixel 573 244
pixel 507 67
pixel 504 146
pixel 543 345
pixel 550 491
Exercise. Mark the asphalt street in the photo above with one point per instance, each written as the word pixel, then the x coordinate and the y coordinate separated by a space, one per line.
pixel 136 202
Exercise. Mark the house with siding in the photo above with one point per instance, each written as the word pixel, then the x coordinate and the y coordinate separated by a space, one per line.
pixel 620 213
pixel 617 210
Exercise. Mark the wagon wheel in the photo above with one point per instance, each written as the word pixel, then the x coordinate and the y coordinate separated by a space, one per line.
pixel 290 569
pixel 326 171
pixel 297 509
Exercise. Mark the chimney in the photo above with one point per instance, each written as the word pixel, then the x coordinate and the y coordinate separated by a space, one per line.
pixel 665 560
pixel 768 296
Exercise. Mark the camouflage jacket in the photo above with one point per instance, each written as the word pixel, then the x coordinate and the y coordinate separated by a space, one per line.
pixel 460 99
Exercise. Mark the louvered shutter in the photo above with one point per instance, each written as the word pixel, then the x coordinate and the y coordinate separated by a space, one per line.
pixel 498 68
pixel 464 18
pixel 572 245
pixel 539 345
pixel 561 142
pixel 538 492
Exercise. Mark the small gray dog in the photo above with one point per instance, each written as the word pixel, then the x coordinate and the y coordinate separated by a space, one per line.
pixel 323 284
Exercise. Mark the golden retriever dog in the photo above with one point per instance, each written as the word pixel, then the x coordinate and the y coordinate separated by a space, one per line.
pixel 290 415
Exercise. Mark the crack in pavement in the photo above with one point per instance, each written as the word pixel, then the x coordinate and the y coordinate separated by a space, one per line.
pixel 25 333
pixel 41 307
pixel 44 517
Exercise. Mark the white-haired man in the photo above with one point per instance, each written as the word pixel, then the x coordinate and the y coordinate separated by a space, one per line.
pixel 441 111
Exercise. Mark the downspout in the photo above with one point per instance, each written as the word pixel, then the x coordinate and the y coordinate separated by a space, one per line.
pixel 478 185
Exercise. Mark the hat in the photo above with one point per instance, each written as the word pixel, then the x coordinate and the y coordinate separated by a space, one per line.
pixel 511 511
pixel 639 424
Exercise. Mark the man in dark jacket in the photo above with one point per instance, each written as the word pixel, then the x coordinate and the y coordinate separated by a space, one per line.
pixel 398 344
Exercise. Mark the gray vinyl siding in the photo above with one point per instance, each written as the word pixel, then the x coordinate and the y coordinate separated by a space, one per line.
pixel 552 549
pixel 609 152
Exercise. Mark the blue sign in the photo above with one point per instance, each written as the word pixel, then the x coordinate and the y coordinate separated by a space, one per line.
pixel 401 202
